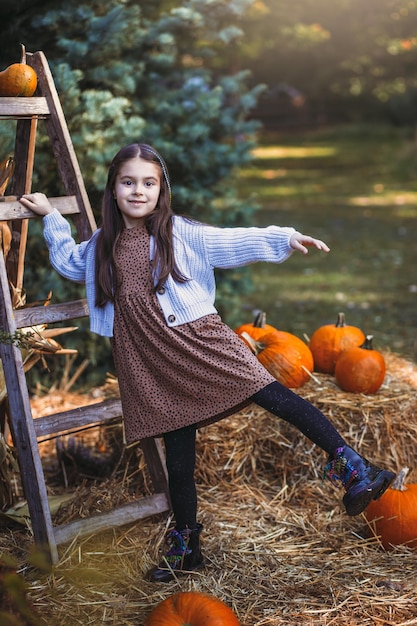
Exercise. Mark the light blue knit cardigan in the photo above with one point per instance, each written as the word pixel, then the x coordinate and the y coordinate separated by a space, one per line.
pixel 198 248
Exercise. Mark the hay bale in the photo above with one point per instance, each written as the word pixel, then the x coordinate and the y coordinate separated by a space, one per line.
pixel 280 548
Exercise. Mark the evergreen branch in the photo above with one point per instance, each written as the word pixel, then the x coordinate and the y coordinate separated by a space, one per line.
pixel 19 338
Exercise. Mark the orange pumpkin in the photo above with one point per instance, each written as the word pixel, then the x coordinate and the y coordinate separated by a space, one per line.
pixel 393 518
pixel 329 341
pixel 191 608
pixel 257 328
pixel 361 369
pixel 18 79
pixel 284 355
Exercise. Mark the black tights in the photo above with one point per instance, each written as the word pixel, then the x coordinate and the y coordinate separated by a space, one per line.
pixel 275 398
pixel 180 462
pixel 286 404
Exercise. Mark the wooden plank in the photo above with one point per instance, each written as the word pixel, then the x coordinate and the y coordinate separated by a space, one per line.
pixel 24 229
pixel 22 429
pixel 32 316
pixel 18 187
pixel 24 155
pixel 125 514
pixel 62 146
pixel 14 210
pixel 74 419
pixel 155 462
pixel 23 107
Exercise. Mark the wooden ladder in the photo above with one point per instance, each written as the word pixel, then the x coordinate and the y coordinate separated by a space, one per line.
pixel 25 431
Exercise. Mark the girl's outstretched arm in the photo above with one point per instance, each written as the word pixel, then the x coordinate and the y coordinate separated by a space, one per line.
pixel 37 202
pixel 301 242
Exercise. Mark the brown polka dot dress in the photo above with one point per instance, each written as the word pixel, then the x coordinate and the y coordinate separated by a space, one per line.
pixel 195 373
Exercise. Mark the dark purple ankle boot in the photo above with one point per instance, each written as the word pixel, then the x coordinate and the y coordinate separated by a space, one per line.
pixel 362 481
pixel 183 556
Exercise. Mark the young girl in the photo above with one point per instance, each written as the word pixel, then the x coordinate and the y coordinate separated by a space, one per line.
pixel 149 277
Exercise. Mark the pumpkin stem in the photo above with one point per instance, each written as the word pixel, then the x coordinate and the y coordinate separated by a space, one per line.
pixel 399 481
pixel 367 344
pixel 23 58
pixel 340 322
pixel 253 345
pixel 260 320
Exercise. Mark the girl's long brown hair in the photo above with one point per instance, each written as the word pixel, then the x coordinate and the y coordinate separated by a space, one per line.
pixel 158 224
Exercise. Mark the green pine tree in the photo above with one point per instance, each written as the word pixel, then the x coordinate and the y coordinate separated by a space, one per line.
pixel 166 74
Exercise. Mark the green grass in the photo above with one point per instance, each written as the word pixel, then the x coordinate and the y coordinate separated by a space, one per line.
pixel 356 189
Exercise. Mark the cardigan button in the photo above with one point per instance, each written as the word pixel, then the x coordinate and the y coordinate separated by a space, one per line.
pixel 161 291
pixel 171 319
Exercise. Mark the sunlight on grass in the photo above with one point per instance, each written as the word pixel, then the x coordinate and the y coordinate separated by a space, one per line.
pixel 309 285
pixel 293 152
pixel 388 198
pixel 269 174
pixel 293 190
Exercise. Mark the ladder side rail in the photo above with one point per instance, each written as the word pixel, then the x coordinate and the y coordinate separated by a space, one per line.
pixel 62 146
pixel 23 432
pixel 155 461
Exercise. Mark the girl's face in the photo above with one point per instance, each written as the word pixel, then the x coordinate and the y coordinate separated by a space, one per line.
pixel 136 190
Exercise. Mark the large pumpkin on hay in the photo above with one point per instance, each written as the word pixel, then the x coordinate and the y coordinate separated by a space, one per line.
pixel 191 608
pixel 393 518
pixel 360 369
pixel 329 341
pixel 284 355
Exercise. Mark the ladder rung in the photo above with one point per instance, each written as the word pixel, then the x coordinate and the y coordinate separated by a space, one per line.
pixel 77 418
pixel 32 316
pixel 23 107
pixel 125 514
pixel 11 209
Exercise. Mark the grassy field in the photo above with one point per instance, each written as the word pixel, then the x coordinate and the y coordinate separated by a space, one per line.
pixel 356 189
